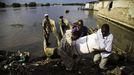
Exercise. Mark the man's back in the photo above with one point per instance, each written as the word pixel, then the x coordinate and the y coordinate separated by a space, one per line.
pixel 83 31
pixel 50 24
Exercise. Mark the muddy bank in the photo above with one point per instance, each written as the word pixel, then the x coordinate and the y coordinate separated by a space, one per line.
pixel 53 66
pixel 50 67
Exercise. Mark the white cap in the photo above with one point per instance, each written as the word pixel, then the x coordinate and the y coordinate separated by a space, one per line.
pixel 45 15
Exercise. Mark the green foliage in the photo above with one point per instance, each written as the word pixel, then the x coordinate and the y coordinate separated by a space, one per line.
pixel 26 4
pixel 42 4
pixel 32 4
pixel 16 5
pixel 47 4
pixel 2 5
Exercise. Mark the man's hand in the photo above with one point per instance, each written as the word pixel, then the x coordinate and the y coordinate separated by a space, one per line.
pixel 100 50
pixel 96 51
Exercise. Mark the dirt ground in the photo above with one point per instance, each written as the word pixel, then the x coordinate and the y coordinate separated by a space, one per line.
pixel 54 66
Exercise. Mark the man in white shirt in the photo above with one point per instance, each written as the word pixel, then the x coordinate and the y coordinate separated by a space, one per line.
pixel 49 28
pixel 105 39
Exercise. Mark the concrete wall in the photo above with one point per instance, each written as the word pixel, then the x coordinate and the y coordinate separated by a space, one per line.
pixel 100 5
pixel 120 3
pixel 131 9
pixel 117 3
pixel 96 6
pixel 89 6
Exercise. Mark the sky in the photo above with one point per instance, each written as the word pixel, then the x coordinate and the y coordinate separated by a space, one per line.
pixel 45 1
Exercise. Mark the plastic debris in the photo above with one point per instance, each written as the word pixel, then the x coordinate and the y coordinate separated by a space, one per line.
pixel 5 66
pixel 35 64
pixel 79 72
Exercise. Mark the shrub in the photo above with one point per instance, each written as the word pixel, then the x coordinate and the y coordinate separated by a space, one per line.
pixel 2 5
pixel 16 5
pixel 47 4
pixel 32 4
pixel 26 4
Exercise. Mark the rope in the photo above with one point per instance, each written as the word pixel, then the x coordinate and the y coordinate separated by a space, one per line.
pixel 87 43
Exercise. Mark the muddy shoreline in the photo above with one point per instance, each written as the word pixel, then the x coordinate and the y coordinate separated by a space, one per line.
pixel 54 66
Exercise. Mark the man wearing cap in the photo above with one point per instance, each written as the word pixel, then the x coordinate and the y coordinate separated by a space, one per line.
pixel 48 27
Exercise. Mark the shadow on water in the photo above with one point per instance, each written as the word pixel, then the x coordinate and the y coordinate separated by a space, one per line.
pixel 32 7
pixel 17 9
pixel 17 25
pixel 3 10
pixel 89 12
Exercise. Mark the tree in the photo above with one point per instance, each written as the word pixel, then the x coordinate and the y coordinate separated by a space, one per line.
pixel 42 4
pixel 47 4
pixel 26 4
pixel 2 5
pixel 16 5
pixel 32 4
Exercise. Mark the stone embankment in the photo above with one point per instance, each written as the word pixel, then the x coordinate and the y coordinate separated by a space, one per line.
pixel 118 15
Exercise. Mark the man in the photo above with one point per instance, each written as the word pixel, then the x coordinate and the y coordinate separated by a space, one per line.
pixel 105 39
pixel 48 27
pixel 64 25
pixel 79 30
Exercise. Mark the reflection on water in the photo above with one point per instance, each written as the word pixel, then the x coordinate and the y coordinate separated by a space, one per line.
pixel 89 12
pixel 20 28
pixel 17 25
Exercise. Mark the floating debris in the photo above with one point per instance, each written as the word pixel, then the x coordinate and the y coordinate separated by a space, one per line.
pixel 14 59
pixel 35 64
pixel 79 72
pixel 67 11
pixel 17 25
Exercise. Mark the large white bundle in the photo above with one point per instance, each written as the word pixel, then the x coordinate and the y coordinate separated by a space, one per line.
pixel 80 45
pixel 84 44
pixel 87 44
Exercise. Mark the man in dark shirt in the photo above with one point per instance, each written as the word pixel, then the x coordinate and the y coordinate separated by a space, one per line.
pixel 79 30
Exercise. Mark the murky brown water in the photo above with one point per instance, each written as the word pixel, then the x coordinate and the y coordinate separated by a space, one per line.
pixel 20 28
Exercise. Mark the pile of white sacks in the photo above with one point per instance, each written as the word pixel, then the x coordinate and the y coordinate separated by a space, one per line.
pixel 84 44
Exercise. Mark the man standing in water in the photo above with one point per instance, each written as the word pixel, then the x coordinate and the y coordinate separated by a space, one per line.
pixel 64 25
pixel 105 39
pixel 48 27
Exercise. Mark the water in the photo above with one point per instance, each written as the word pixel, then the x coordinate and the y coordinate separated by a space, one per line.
pixel 20 28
